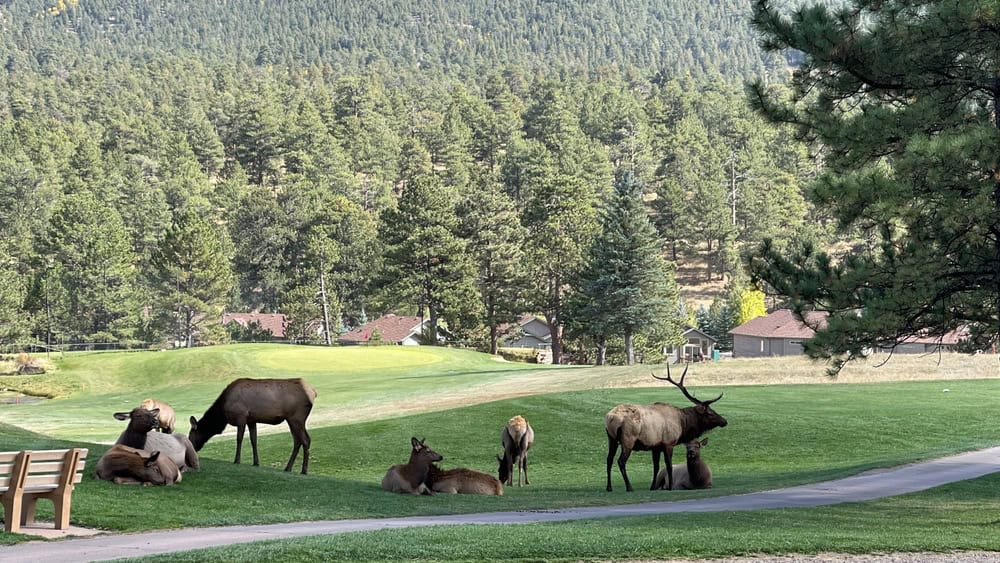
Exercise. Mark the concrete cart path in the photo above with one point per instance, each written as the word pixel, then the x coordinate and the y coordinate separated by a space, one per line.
pixel 867 486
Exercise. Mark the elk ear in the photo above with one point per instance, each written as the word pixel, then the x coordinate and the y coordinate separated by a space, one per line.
pixel 704 442
pixel 415 443
pixel 194 423
pixel 155 412
pixel 151 460
pixel 122 415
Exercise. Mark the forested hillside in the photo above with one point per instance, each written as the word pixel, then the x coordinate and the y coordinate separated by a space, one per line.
pixel 163 161
pixel 457 37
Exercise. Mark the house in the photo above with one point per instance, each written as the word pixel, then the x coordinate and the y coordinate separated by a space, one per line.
pixel 390 329
pixel 275 323
pixel 698 347
pixel 776 334
pixel 781 334
pixel 527 332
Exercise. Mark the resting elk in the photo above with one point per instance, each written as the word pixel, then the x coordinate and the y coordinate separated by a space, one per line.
pixel 463 481
pixel 411 477
pixel 245 402
pixel 692 474
pixel 125 465
pixel 139 434
pixel 658 428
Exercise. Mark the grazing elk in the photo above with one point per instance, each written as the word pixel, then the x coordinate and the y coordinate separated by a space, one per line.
pixel 464 481
pixel 516 438
pixel 124 465
pixel 411 477
pixel 245 402
pixel 658 428
pixel 692 474
pixel 166 417
pixel 139 435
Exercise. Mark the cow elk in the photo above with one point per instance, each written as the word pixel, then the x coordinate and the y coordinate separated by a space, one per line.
pixel 658 428
pixel 517 437
pixel 139 435
pixel 692 474
pixel 411 477
pixel 245 402
pixel 166 417
pixel 124 465
pixel 463 481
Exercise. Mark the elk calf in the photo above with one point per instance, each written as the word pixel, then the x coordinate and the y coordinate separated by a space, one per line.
pixel 657 428
pixel 411 477
pixel 693 474
pixel 125 465
pixel 166 417
pixel 464 481
pixel 517 437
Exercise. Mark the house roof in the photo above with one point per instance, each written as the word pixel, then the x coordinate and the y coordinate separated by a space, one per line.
pixel 949 338
pixel 692 330
pixel 391 327
pixel 782 324
pixel 522 323
pixel 275 323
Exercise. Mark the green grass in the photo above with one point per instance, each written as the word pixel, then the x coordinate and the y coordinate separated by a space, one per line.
pixel 779 435
pixel 961 516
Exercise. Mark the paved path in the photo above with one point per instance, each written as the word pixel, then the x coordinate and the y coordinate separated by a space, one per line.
pixel 868 486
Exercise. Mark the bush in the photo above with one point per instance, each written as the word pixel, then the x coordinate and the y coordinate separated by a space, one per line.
pixel 525 355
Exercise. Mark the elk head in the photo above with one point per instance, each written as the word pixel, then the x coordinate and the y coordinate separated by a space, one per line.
pixel 709 418
pixel 423 452
pixel 694 448
pixel 140 419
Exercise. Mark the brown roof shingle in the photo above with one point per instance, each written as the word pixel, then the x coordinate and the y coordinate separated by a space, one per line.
pixel 275 323
pixel 392 328
pixel 782 324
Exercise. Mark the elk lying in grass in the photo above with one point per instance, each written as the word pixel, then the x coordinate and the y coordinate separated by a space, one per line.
pixel 139 435
pixel 125 465
pixel 692 474
pixel 245 402
pixel 464 481
pixel 517 437
pixel 166 417
pixel 411 477
pixel 657 428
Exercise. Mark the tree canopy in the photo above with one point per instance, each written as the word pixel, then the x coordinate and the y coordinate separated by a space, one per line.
pixel 900 100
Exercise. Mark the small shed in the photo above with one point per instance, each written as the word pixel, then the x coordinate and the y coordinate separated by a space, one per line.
pixel 697 347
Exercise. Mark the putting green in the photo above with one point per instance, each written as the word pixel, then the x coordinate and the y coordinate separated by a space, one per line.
pixel 349 359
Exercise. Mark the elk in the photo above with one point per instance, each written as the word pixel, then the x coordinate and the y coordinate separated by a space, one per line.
pixel 411 477
pixel 464 481
pixel 124 465
pixel 516 438
pixel 658 428
pixel 693 474
pixel 139 435
pixel 245 402
pixel 166 417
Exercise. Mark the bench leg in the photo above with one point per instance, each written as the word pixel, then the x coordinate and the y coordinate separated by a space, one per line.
pixel 28 510
pixel 12 514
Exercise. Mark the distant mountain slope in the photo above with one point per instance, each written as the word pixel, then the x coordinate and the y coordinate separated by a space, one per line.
pixel 458 37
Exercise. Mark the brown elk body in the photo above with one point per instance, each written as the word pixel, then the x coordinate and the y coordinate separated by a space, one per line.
pixel 139 435
pixel 167 416
pixel 692 474
pixel 517 437
pixel 411 477
pixel 125 465
pixel 657 428
pixel 463 481
pixel 245 402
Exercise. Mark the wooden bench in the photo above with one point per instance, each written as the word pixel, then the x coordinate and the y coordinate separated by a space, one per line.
pixel 27 476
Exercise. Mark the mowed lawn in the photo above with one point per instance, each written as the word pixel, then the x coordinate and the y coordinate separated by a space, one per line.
pixel 778 435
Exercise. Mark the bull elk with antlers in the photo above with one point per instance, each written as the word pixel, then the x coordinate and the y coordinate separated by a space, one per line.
pixel 658 428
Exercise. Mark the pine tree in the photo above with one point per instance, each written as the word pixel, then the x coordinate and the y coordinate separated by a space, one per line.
pixel 627 287
pixel 191 277
pixel 903 98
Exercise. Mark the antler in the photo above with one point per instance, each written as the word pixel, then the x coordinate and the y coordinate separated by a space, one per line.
pixel 680 385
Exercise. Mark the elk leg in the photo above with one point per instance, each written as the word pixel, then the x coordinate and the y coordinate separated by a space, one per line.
pixel 668 453
pixel 656 466
pixel 240 428
pixel 524 464
pixel 300 439
pixel 622 460
pixel 253 442
pixel 612 448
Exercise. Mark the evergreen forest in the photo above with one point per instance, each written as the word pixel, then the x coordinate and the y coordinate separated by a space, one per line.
pixel 163 162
